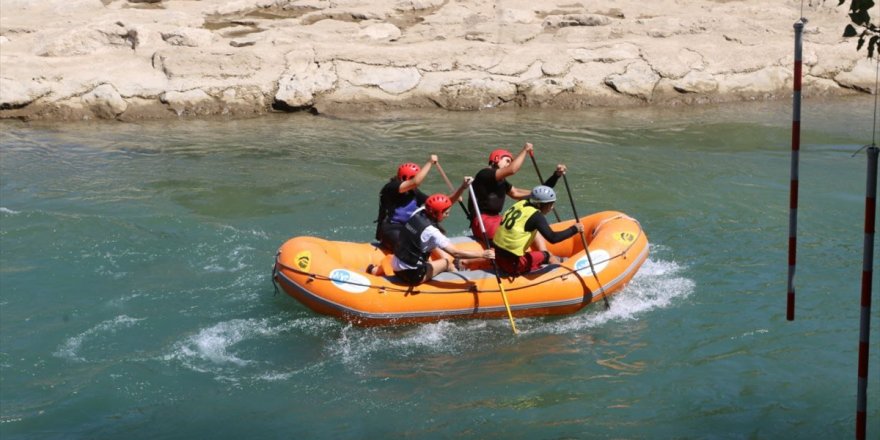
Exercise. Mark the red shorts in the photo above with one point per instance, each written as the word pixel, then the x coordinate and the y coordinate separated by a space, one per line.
pixel 515 265
pixel 491 223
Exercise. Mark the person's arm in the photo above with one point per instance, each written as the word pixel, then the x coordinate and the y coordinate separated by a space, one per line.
pixel 456 196
pixel 442 242
pixel 503 173
pixel 551 181
pixel 518 193
pixel 420 177
pixel 539 222
pixel 458 253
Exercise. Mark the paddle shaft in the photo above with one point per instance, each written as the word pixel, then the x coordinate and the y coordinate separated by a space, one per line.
pixel 541 179
pixel 451 188
pixel 494 264
pixel 584 240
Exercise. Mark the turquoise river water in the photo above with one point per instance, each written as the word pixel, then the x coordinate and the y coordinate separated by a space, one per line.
pixel 136 299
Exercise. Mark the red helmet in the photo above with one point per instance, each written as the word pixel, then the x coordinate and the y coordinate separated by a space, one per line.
pixel 498 154
pixel 436 204
pixel 407 171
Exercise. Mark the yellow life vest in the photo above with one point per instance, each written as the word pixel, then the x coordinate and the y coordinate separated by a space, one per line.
pixel 511 234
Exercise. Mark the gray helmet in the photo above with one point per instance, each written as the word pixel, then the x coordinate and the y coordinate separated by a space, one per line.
pixel 542 194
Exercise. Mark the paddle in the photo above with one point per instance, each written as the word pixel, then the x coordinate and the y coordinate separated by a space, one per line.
pixel 494 264
pixel 451 188
pixel 538 170
pixel 584 240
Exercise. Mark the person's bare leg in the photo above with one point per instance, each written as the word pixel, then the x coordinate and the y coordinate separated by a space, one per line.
pixel 436 267
pixel 539 243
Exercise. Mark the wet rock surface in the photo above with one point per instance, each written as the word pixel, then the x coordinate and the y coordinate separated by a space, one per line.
pixel 135 59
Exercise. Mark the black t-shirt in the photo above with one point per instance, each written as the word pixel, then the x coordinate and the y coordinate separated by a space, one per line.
pixel 396 206
pixel 539 222
pixel 490 193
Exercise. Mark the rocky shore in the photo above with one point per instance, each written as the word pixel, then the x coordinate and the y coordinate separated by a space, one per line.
pixel 136 59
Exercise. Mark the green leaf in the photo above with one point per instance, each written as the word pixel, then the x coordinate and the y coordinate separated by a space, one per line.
pixel 860 17
pixel 849 31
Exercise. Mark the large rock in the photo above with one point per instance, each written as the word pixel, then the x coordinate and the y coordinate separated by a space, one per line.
pixel 862 76
pixel 696 82
pixel 298 89
pixel 638 80
pixel 105 102
pixel 762 83
pixel 87 40
pixel 671 61
pixel 394 54
pixel 417 5
pixel 394 80
pixel 191 62
pixel 475 94
pixel 242 100
pixel 194 101
pixel 239 6
pixel 380 32
pixel 521 16
pixel 556 64
pixel 17 94
pixel 543 90
pixel 191 37
pixel 61 7
pixel 606 54
pixel 559 21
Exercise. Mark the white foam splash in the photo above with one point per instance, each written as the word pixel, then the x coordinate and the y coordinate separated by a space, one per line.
pixel 658 284
pixel 749 334
pixel 655 286
pixel 253 232
pixel 212 344
pixel 211 349
pixel 236 257
pixel 71 347
pixel 355 345
pixel 281 376
pixel 5 210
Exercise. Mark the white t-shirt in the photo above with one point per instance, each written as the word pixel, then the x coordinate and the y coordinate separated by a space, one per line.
pixel 431 238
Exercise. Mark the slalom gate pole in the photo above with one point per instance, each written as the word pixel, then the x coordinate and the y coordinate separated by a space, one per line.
pixel 867 276
pixel 795 152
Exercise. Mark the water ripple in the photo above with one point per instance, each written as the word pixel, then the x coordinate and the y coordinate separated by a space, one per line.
pixel 71 348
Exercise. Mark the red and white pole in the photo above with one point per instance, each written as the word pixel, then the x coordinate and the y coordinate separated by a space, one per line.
pixel 867 276
pixel 795 151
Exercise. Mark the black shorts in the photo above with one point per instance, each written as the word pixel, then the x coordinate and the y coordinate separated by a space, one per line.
pixel 413 276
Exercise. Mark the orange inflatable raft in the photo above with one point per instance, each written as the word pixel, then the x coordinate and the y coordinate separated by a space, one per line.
pixel 330 277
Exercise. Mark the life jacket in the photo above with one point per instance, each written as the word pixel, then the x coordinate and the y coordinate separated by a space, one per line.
pixel 409 249
pixel 511 234
pixel 401 214
pixel 389 211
